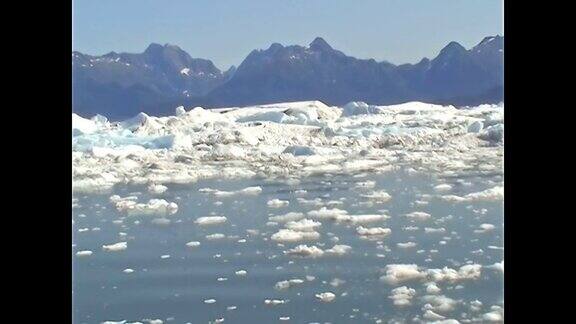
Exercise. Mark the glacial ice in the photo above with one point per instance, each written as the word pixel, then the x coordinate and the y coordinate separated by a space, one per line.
pixel 296 139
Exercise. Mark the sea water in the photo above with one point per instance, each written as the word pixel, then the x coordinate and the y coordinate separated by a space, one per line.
pixel 171 282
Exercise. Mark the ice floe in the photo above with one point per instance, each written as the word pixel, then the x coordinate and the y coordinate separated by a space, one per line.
pixel 326 297
pixel 116 247
pixel 288 235
pixel 210 220
pixel 84 253
pixel 402 296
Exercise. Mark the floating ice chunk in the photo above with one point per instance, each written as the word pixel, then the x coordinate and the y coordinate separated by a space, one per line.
pixel 406 245
pixel 378 196
pixel 475 305
pixel 209 301
pixel 180 111
pixel 339 250
pixel 305 251
pixel 153 207
pixel 402 296
pixel 443 187
pixel 114 322
pixel 363 219
pixel 324 213
pixel 373 231
pixel 83 253
pixel 165 256
pixel 193 244
pixel 230 308
pixel 466 272
pixel 417 215
pixel 498 266
pixel 274 302
pixel 128 270
pixel 121 246
pixel 496 315
pixel 277 203
pixel 287 235
pixel 304 225
pixel 157 189
pixel 431 316
pixel 285 284
pixel 326 297
pixel 241 273
pixel 284 318
pixel 210 220
pixel 492 194
pixel 439 303
pixel 399 273
pixel 432 288
pixel 251 190
pixel 215 236
pixel 289 217
pixel 485 228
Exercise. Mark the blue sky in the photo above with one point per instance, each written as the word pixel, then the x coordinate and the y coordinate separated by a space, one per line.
pixel 225 31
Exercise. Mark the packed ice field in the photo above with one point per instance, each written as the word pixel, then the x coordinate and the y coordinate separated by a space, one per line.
pixel 284 140
pixel 292 212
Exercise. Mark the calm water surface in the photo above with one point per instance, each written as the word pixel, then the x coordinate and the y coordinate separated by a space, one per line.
pixel 173 289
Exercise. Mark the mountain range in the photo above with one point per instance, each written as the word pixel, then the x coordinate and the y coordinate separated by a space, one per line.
pixel 119 85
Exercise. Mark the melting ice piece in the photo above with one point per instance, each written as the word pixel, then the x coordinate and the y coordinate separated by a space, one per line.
pixel 417 215
pixel 406 245
pixel 241 273
pixel 83 253
pixel 153 207
pixel 338 250
pixel 121 246
pixel 378 196
pixel 443 187
pixel 304 225
pixel 157 189
pixel 285 284
pixel 277 203
pixel 289 217
pixel 274 302
pixel 373 231
pixel 193 244
pixel 305 251
pixel 325 297
pixel 324 213
pixel 215 236
pixel 431 316
pixel 209 301
pixel 399 273
pixel 287 235
pixel 402 296
pixel 439 303
pixel 485 228
pixel 210 220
